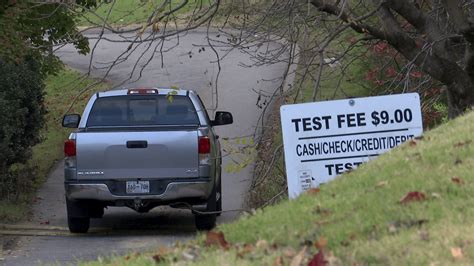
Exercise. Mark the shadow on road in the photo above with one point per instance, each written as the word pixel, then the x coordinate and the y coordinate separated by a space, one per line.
pixel 159 221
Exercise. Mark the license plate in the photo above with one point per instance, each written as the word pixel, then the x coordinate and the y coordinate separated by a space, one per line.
pixel 138 187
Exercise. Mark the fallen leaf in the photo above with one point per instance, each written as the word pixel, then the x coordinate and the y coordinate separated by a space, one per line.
pixel 278 261
pixel 313 191
pixel 456 252
pixel 382 184
pixel 216 239
pixel 457 180
pixel 133 255
pixel 157 258
pixel 435 195
pixel 262 244
pixel 412 143
pixel 318 260
pixel 289 253
pixel 461 144
pixel 413 196
pixel 321 243
pixel 392 229
pixel 248 248
pixel 298 259
pixel 156 27
pixel 189 256
pixel 320 223
pixel 330 259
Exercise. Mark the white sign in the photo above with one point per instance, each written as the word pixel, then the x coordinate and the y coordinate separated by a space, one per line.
pixel 325 139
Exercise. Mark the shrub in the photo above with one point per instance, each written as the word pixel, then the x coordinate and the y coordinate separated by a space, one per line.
pixel 21 118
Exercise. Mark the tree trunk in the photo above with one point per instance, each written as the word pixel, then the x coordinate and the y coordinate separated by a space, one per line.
pixel 458 102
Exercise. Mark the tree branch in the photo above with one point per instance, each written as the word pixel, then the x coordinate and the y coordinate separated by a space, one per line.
pixel 354 23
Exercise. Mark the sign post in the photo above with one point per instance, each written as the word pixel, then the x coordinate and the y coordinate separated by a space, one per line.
pixel 324 139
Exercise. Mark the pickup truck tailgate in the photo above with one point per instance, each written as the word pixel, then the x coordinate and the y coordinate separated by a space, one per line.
pixel 132 155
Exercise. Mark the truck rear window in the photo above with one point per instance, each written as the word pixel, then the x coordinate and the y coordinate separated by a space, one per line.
pixel 142 111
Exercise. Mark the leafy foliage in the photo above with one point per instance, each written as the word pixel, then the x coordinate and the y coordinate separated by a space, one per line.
pixel 28 32
pixel 21 118
pixel 31 29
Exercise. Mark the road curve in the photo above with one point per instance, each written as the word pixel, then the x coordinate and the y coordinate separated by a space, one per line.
pixel 186 65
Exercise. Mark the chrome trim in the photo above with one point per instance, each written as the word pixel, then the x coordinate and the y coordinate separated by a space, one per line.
pixel 173 191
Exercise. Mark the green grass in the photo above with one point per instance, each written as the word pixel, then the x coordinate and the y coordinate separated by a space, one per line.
pixel 127 12
pixel 13 211
pixel 60 90
pixel 360 215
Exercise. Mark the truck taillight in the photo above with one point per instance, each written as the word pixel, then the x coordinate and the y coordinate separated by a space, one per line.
pixel 142 91
pixel 70 148
pixel 204 145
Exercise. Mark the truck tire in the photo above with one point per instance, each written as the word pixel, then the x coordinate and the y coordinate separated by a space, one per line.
pixel 78 219
pixel 78 224
pixel 207 221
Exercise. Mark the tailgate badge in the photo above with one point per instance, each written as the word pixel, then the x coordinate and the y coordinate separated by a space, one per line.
pixel 191 171
pixel 90 173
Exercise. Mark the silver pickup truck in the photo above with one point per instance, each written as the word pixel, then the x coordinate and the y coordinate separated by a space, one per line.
pixel 142 148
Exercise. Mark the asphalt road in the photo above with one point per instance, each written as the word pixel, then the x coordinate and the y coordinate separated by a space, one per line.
pixel 186 65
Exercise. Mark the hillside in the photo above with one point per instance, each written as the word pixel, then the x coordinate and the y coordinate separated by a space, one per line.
pixel 412 205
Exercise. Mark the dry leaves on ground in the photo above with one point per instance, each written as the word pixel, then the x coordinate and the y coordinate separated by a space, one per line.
pixel 247 248
pixel 313 191
pixel 321 243
pixel 457 180
pixel 216 239
pixel 462 144
pixel 413 196
pixel 382 184
pixel 298 259
pixel 457 253
pixel 318 260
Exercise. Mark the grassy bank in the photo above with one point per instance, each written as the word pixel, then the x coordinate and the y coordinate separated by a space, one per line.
pixel 125 12
pixel 59 94
pixel 361 217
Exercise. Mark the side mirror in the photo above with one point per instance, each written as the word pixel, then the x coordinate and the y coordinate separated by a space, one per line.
pixel 71 121
pixel 223 118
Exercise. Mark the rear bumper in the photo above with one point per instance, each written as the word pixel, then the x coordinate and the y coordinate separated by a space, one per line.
pixel 173 191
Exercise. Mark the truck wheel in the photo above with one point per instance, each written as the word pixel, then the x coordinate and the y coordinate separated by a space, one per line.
pixel 78 224
pixel 207 221
pixel 78 218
